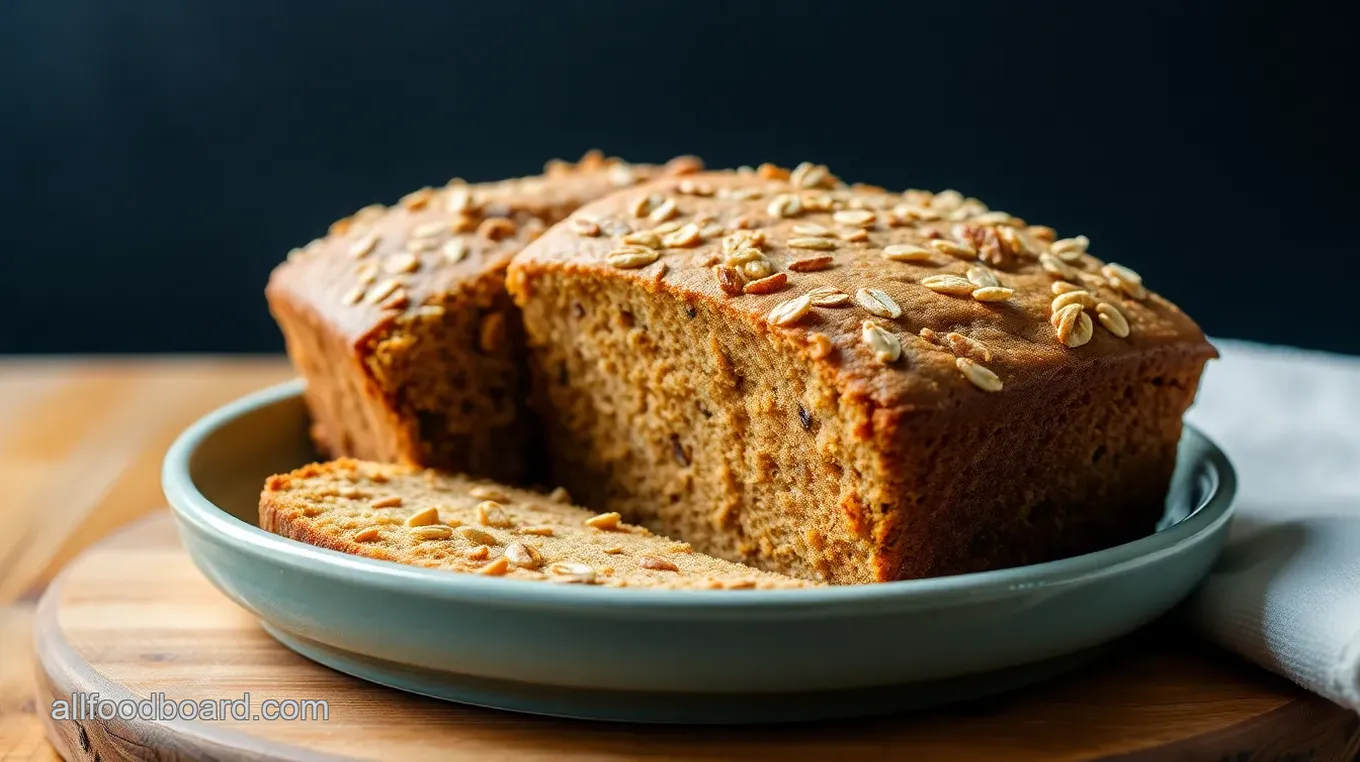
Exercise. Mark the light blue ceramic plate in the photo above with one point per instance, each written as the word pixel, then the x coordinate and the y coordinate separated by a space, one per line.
pixel 669 656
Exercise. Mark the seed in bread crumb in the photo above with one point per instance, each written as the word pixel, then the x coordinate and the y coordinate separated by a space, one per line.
pixel 811 264
pixel 1011 240
pixel 948 284
pixel 573 573
pixel 585 227
pixel 885 346
pixel 663 211
pixel 604 521
pixel 614 551
pixel 827 296
pixel 485 492
pixel 473 534
pixel 354 295
pixel 1070 249
pixel 980 376
pixel 367 534
pixel 991 218
pixel 1083 332
pixel 362 247
pixel 1125 280
pixel 858 235
pixel 1056 267
pixel 790 311
pixel 560 495
pixel 383 290
pixel 1078 296
pixel 428 230
pixel 694 188
pixel 1067 314
pixel 523 555
pixel 423 517
pixel 479 553
pixel 993 294
pixel 741 584
pixel 929 335
pixel 809 175
pixel 768 284
pixel 784 205
pixel 455 251
pixel 496 567
pixel 742 256
pixel 1060 287
pixel 390 501
pixel 432 532
pixel 1113 320
pixel 809 242
pixel 742 239
pixel 645 238
pixel 540 530
pixel 631 257
pixel 757 269
pixel 878 303
pixel 492 514
pixel 459 197
pixel 953 248
pixel 657 564
pixel 905 252
pixel 1074 325
pixel 854 217
pixel 812 229
pixel 982 277
pixel 401 262
pixel 685 237
pixel 1042 233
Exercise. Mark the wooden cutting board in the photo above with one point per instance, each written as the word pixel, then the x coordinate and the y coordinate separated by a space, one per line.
pixel 132 618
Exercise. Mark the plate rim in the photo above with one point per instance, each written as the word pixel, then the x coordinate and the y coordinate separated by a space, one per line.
pixel 195 511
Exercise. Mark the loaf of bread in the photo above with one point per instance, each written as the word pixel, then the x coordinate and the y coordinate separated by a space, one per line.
pixel 399 321
pixel 425 518
pixel 851 385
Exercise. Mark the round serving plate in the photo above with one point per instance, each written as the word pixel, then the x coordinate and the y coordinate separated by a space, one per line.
pixel 664 655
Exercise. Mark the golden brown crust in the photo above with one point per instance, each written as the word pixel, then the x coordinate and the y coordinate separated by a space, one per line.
pixel 388 261
pixel 1003 334
pixel 400 322
pixel 423 518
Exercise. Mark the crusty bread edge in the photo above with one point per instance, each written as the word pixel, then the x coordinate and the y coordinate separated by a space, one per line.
pixel 282 516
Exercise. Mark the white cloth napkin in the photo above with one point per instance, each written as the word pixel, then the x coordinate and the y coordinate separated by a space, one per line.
pixel 1286 593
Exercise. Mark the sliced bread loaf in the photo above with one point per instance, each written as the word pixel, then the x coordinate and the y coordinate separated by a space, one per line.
pixel 427 518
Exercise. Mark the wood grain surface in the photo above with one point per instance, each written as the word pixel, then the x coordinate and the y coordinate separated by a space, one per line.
pixel 80 449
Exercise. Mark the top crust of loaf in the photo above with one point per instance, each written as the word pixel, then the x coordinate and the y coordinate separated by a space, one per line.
pixel 853 275
pixel 380 263
pixel 443 521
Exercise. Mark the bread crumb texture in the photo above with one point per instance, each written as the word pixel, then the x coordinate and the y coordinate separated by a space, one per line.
pixel 440 521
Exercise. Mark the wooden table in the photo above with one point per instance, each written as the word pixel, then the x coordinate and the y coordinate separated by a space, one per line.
pixel 81 443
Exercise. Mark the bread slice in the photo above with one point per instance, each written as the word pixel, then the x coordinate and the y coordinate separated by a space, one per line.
pixel 848 384
pixel 400 323
pixel 426 518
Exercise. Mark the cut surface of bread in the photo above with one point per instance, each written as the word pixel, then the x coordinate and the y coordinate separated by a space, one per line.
pixel 848 384
pixel 454 523
pixel 399 320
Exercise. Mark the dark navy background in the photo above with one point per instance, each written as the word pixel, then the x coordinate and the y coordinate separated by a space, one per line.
pixel 157 157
